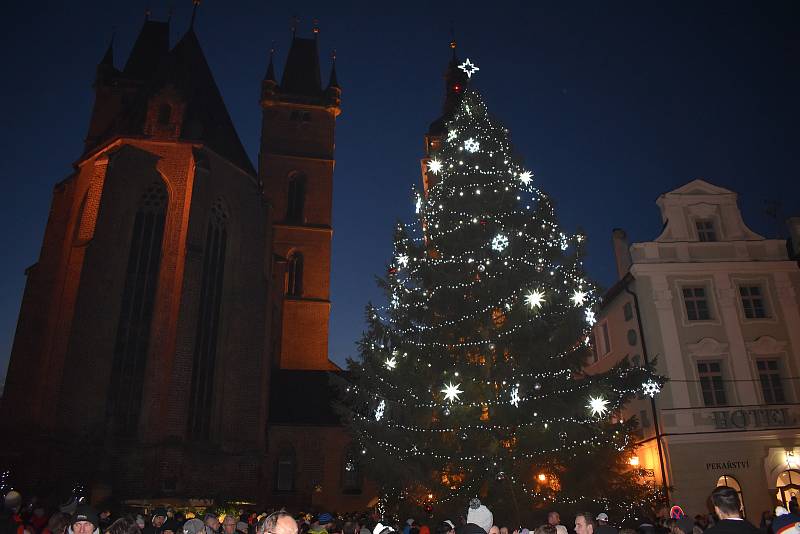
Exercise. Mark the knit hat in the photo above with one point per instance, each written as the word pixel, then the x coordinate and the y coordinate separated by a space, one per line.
pixel 84 512
pixel 382 529
pixel 172 526
pixel 478 514
pixel 324 517
pixel 159 512
pixel 193 526
pixel 602 516
pixel 13 499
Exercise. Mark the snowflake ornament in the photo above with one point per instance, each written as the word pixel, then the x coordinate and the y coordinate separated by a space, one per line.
pixel 590 317
pixel 534 299
pixel 435 166
pixel 379 410
pixel 469 68
pixel 651 388
pixel 402 260
pixel 499 243
pixel 526 177
pixel 597 405
pixel 391 363
pixel 515 396
pixel 452 134
pixel 418 204
pixel 471 145
pixel 451 392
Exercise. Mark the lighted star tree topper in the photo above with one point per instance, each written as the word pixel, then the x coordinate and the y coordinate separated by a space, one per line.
pixel 469 380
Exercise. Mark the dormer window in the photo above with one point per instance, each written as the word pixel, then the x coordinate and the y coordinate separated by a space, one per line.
pixel 705 230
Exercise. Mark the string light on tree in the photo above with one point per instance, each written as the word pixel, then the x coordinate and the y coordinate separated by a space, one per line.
pixel 597 405
pixel 469 67
pixel 451 392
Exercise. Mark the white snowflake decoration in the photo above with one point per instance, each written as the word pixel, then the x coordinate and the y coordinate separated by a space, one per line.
pixel 451 392
pixel 651 388
pixel 578 297
pixel 379 410
pixel 391 363
pixel 435 166
pixel 597 405
pixel 499 243
pixel 469 67
pixel 395 301
pixel 402 260
pixel 418 204
pixel 590 317
pixel 471 145
pixel 515 396
pixel 534 299
pixel 526 177
pixel 452 134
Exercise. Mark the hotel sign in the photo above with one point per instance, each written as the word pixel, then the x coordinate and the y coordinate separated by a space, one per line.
pixel 756 418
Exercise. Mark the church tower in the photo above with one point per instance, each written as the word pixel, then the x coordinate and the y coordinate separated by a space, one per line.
pixel 296 164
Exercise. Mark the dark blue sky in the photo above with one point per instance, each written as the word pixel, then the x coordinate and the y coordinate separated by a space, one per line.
pixel 610 103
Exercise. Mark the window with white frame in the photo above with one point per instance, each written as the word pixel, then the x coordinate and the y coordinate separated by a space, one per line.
pixel 711 383
pixel 696 301
pixel 705 230
pixel 601 341
pixel 753 303
pixel 770 377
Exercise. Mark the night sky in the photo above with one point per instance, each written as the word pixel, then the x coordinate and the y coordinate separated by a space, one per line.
pixel 609 103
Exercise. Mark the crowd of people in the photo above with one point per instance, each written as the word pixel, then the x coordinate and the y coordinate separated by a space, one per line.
pixel 76 517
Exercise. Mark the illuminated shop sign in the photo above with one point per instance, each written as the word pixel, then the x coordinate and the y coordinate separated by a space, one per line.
pixel 736 464
pixel 757 418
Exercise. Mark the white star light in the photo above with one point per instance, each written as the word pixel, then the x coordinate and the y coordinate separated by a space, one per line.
pixel 435 166
pixel 499 242
pixel 391 363
pixel 418 205
pixel 515 396
pixel 534 299
pixel 651 388
pixel 526 177
pixel 578 297
pixel 597 405
pixel 379 410
pixel 590 318
pixel 402 260
pixel 471 145
pixel 469 67
pixel 451 392
pixel 452 134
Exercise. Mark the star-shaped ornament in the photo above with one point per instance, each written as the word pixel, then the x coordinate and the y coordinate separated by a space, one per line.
pixel 590 317
pixel 469 68
pixel 451 392
pixel 402 260
pixel 435 166
pixel 578 297
pixel 391 363
pixel 534 299
pixel 597 405
pixel 526 177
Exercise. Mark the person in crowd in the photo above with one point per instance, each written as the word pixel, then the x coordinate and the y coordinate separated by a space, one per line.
pixel 122 526
pixel 85 521
pixel 156 521
pixel 57 524
pixel 494 529
pixel 542 529
pixel 646 526
pixel 445 527
pixel 784 522
pixel 627 531
pixel 585 523
pixel 171 526
pixel 479 518
pixel 424 529
pixel 139 520
pixel 229 524
pixel 280 522
pixel 242 527
pixel 603 526
pixel 503 530
pixel 700 524
pixel 554 519
pixel 322 524
pixel 194 526
pixel 727 507
pixel 104 517
pixel 408 525
pixel 766 522
pixel 212 524
pixel 11 520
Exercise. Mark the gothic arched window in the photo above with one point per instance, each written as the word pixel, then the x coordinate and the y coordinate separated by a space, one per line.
pixel 208 322
pixel 351 473
pixel 296 200
pixel 294 275
pixel 136 310
pixel 285 466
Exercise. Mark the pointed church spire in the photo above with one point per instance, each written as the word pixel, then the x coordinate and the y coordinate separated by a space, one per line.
pixel 195 5
pixel 108 57
pixel 455 83
pixel 270 76
pixel 333 82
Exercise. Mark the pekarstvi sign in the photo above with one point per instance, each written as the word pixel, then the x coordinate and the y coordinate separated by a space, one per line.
pixel 733 464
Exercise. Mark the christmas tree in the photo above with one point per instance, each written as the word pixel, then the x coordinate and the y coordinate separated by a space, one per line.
pixel 469 379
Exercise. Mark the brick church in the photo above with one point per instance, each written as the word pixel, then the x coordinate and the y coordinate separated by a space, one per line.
pixel 172 342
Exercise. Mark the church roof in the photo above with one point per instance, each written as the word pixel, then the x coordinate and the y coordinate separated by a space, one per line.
pixel 153 67
pixel 301 73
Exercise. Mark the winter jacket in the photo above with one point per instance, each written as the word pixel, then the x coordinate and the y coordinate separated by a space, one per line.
pixel 732 526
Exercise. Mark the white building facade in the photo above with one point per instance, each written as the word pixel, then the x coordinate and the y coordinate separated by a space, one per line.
pixel 716 306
